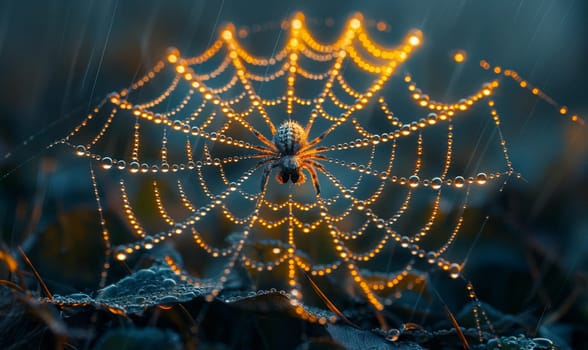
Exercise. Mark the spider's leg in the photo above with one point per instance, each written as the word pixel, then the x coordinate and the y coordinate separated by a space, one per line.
pixel 264 140
pixel 310 168
pixel 270 158
pixel 307 150
pixel 267 169
pixel 311 155
pixel 266 154
pixel 266 172
pixel 315 140
pixel 317 165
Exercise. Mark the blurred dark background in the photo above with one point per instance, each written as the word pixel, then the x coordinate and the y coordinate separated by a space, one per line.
pixel 59 58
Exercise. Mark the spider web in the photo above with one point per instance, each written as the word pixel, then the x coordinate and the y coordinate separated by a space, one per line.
pixel 185 142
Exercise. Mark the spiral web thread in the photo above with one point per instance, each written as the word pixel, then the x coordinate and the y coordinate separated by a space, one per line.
pixel 199 143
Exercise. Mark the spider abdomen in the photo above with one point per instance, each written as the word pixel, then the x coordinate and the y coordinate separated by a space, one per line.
pixel 289 138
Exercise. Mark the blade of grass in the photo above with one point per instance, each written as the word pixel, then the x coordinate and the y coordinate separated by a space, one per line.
pixel 328 302
pixel 36 273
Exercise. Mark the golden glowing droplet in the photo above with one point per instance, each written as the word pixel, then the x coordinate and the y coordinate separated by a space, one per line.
pixel 355 23
pixel 459 56
pixel 459 182
pixel 121 257
pixel 172 55
pixel 481 178
pixel 414 40
pixel 107 163
pixel 80 150
pixel 563 110
pixel 436 183
pixel 134 167
pixel 227 34
pixel 413 181
pixel 454 270
pixel 296 24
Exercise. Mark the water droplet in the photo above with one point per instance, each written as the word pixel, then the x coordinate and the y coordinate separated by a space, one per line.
pixel 80 297
pixel 360 206
pixel 543 343
pixel 178 229
pixel 168 300
pixel 148 242
pixel 168 282
pixel 80 150
pixel 459 182
pixel 134 167
pixel 107 163
pixel 392 335
pixel 481 179
pixel 413 181
pixel 121 256
pixel 431 257
pixel 121 164
pixel 436 183
pixel 454 270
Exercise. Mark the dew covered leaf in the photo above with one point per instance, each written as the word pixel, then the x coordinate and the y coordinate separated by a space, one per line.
pixel 154 286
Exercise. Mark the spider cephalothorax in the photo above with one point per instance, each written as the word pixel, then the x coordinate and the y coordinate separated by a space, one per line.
pixel 291 152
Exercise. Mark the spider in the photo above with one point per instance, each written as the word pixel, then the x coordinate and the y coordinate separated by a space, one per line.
pixel 290 151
